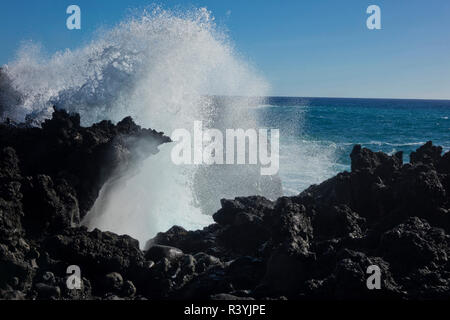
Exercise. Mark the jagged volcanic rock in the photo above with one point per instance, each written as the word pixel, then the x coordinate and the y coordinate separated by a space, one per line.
pixel 317 245
pixel 73 160
pixel 49 179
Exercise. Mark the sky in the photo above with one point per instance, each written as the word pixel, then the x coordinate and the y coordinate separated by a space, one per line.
pixel 319 48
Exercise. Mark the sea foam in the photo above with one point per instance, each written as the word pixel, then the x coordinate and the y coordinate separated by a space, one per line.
pixel 162 68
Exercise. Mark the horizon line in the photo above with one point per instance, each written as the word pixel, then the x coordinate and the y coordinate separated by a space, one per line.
pixel 423 99
pixel 325 97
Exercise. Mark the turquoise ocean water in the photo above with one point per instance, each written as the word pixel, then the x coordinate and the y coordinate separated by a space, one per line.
pixel 318 134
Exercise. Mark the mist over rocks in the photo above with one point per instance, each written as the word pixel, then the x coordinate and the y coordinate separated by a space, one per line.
pixel 319 244
pixel 49 179
pixel 316 245
pixel 75 160
pixel 9 97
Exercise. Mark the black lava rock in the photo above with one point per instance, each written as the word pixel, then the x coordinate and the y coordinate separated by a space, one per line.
pixel 320 244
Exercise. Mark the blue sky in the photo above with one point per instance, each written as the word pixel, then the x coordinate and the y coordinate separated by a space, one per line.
pixel 303 48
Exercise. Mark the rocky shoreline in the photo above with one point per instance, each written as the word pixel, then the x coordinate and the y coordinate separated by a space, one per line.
pixel 317 245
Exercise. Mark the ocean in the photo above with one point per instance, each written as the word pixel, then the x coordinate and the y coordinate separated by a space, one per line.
pixel 318 134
